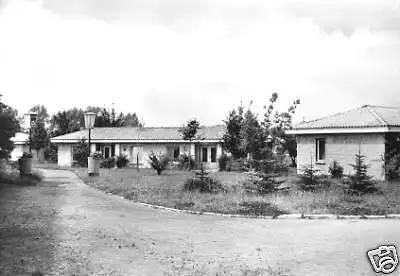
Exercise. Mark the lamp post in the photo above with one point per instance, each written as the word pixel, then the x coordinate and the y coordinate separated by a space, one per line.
pixel 89 123
pixel 30 121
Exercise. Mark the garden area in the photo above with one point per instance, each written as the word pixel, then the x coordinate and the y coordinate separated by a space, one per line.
pixel 246 193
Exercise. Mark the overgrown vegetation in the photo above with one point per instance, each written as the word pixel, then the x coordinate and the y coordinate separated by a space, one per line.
pixel 122 161
pixel 336 170
pixel 8 127
pixel 108 163
pixel 262 183
pixel 186 162
pixel 159 162
pixel 360 181
pixel 9 174
pixel 203 183
pixel 311 179
pixel 81 153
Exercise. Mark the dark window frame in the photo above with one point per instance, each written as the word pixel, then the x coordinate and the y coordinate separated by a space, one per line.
pixel 320 149
pixel 213 155
pixel 204 157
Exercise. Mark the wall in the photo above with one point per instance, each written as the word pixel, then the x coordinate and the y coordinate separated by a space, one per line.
pixel 145 149
pixel 342 148
pixel 18 151
pixel 64 155
pixel 183 148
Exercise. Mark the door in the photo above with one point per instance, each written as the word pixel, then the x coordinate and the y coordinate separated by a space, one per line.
pixel 107 151
pixel 137 155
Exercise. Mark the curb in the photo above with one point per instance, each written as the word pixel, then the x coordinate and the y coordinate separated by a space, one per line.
pixel 279 217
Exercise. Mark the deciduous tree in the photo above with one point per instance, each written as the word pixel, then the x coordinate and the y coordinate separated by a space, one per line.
pixel 8 128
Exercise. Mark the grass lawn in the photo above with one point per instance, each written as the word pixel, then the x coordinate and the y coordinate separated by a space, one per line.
pixel 167 190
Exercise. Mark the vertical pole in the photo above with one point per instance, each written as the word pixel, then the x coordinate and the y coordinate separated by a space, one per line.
pixel 89 142
pixel 30 140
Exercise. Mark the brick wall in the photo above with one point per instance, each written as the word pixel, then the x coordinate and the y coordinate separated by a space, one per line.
pixel 342 148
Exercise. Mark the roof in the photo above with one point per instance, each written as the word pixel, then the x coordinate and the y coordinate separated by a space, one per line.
pixel 131 134
pixel 20 138
pixel 367 118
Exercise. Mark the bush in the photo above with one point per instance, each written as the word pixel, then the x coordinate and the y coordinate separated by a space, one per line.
pixel 122 161
pixel 51 153
pixel 203 183
pixel 392 167
pixel 159 162
pixel 183 162
pixel 81 153
pixel 108 163
pixel 360 181
pixel 10 175
pixel 311 179
pixel 335 170
pixel 261 183
pixel 271 165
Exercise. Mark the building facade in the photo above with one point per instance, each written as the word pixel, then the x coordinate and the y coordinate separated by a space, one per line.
pixel 339 137
pixel 137 143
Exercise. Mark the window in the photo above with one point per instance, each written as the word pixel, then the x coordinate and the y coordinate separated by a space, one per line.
pixel 213 155
pixel 98 147
pixel 320 149
pixel 204 154
pixel 176 153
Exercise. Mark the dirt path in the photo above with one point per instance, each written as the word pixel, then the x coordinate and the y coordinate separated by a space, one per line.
pixel 64 227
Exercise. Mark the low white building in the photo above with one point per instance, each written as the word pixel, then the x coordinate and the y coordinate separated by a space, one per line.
pixel 339 137
pixel 136 142
pixel 21 145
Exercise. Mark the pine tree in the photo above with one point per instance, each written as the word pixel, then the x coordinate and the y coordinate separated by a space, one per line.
pixel 360 181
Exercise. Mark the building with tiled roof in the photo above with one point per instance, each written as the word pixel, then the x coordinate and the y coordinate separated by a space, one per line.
pixel 340 136
pixel 137 143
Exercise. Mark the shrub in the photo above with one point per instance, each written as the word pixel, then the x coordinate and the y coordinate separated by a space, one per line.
pixel 183 162
pixel 11 176
pixel 203 183
pixel 51 153
pixel 122 161
pixel 360 181
pixel 159 162
pixel 392 167
pixel 311 179
pixel 335 170
pixel 108 163
pixel 270 165
pixel 261 183
pixel 81 153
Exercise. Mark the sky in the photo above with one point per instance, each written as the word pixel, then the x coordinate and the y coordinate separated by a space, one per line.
pixel 171 61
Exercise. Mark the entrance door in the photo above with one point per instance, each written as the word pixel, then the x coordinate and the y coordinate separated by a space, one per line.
pixel 137 155
pixel 107 151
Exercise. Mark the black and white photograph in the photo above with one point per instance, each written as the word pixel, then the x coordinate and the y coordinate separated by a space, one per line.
pixel 199 137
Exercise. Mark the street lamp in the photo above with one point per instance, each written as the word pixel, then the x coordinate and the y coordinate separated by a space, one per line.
pixel 89 123
pixel 30 121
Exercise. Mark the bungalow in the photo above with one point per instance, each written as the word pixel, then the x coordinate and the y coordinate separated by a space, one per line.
pixel 340 136
pixel 140 142
pixel 21 145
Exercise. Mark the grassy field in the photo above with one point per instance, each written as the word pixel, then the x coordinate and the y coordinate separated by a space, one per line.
pixel 167 190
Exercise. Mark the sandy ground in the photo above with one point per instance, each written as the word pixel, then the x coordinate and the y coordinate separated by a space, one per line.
pixel 64 227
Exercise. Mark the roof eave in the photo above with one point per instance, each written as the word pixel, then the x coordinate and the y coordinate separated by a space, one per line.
pixel 342 130
pixel 126 141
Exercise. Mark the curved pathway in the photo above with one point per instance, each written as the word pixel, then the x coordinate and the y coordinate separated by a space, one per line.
pixel 64 227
